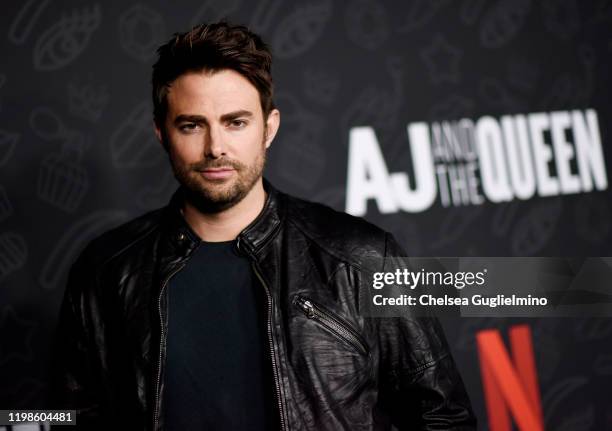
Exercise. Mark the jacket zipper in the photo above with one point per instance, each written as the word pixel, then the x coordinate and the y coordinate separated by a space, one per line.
pixel 270 339
pixel 331 322
pixel 161 344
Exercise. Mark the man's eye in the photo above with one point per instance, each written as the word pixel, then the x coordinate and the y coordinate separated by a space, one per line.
pixel 188 127
pixel 238 124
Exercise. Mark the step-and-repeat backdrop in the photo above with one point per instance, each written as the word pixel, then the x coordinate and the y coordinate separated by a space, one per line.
pixel 465 128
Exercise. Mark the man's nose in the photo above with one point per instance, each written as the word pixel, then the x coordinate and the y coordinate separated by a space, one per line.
pixel 215 145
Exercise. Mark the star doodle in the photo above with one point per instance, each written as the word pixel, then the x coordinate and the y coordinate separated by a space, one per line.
pixel 442 60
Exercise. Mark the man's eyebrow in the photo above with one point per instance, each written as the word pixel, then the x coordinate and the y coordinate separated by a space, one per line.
pixel 236 114
pixel 190 119
pixel 194 118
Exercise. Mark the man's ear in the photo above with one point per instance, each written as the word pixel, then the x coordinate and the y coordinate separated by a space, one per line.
pixel 160 134
pixel 272 125
pixel 158 131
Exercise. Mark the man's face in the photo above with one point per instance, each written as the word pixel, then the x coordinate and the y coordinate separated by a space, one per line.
pixel 216 137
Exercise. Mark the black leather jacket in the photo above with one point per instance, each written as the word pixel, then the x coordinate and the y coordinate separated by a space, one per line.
pixel 333 368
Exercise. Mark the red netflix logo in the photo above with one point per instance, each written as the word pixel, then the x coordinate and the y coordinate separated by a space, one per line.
pixel 510 381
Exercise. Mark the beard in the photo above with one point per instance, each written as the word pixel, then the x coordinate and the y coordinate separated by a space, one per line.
pixel 213 196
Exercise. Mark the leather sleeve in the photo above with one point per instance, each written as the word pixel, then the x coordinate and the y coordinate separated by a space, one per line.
pixel 76 377
pixel 420 386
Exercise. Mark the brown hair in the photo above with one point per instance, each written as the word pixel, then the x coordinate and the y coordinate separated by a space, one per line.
pixel 212 47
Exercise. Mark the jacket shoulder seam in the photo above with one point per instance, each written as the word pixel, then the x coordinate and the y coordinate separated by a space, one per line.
pixel 131 244
pixel 327 250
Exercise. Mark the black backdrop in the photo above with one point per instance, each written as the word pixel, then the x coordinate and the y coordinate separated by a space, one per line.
pixel 78 155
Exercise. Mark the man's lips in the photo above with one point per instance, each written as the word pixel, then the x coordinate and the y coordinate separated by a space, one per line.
pixel 217 173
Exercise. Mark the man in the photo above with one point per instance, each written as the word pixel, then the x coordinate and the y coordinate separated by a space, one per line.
pixel 235 307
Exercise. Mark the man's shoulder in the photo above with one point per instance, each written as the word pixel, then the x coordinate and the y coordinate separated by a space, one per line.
pixel 348 237
pixel 126 237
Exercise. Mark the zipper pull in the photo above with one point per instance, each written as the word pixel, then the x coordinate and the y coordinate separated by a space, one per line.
pixel 306 306
pixel 240 247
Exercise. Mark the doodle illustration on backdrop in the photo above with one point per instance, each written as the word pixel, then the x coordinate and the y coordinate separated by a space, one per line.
pixel 61 43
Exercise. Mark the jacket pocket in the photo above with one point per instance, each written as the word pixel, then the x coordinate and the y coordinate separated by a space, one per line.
pixel 334 324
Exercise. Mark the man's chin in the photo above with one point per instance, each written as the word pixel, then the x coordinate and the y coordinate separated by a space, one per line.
pixel 209 200
pixel 215 195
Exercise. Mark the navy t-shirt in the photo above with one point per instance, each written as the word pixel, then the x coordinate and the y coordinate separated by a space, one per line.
pixel 218 371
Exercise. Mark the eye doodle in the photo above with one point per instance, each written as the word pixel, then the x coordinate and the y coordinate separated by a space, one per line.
pixel 66 39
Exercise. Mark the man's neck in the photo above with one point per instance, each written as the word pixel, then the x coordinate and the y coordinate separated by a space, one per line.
pixel 227 224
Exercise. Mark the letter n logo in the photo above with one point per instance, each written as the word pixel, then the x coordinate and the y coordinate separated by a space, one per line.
pixel 510 383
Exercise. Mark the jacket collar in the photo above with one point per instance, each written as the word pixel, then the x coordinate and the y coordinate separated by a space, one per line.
pixel 250 240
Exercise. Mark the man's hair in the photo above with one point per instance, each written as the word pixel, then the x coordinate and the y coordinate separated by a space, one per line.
pixel 210 48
